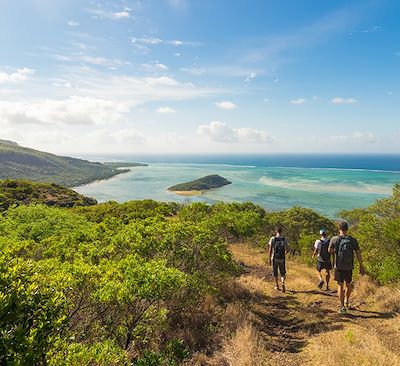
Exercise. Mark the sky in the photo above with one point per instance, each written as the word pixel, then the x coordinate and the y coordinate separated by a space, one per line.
pixel 200 76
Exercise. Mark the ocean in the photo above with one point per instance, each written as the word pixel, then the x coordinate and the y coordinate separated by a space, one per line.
pixel 325 183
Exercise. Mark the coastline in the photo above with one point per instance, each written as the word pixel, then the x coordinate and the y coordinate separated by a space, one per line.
pixel 188 193
pixel 118 172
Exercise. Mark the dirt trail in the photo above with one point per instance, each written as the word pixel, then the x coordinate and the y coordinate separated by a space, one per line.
pixel 302 326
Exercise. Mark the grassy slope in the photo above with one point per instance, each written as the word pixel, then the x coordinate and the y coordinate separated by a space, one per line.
pixel 17 192
pixel 204 183
pixel 302 326
pixel 17 162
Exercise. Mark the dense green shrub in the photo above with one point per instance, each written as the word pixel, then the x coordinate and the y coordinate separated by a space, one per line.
pixel 112 283
pixel 378 230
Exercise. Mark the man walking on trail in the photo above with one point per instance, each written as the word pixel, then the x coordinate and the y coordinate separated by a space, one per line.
pixel 324 259
pixel 343 247
pixel 278 248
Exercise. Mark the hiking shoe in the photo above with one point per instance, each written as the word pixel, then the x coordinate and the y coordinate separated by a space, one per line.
pixel 321 284
pixel 342 310
pixel 277 288
pixel 283 288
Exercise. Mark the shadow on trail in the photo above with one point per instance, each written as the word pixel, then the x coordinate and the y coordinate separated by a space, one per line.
pixel 285 322
pixel 364 314
pixel 330 293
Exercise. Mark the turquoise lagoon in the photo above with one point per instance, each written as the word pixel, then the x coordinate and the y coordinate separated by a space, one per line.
pixel 327 190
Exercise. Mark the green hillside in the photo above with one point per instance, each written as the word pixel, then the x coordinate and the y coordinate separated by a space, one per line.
pixel 23 192
pixel 146 283
pixel 17 162
pixel 204 183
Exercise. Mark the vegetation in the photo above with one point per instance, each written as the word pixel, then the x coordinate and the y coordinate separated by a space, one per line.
pixel 17 162
pixel 147 283
pixel 378 229
pixel 201 184
pixel 23 192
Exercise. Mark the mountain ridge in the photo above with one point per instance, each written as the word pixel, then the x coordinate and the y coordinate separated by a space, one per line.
pixel 18 162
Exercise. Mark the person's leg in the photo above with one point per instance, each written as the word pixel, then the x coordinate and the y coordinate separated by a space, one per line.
pixel 319 272
pixel 275 273
pixel 282 270
pixel 341 293
pixel 276 283
pixel 349 289
pixel 327 278
pixel 339 279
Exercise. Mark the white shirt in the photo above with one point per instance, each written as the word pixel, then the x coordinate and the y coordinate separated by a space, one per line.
pixel 318 243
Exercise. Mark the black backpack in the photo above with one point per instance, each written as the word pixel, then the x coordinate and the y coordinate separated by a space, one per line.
pixel 324 253
pixel 279 248
pixel 344 253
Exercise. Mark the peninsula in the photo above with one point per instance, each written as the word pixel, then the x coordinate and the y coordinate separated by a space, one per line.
pixel 18 162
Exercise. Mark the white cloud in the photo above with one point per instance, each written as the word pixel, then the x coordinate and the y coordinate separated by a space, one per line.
pixel 101 13
pixel 224 70
pixel 364 136
pixel 298 101
pixel 73 23
pixel 152 41
pixel 128 136
pixel 250 76
pixel 154 66
pixel 316 97
pixel 339 138
pixel 93 60
pixel 16 76
pixel 221 132
pixel 355 137
pixel 174 138
pixel 121 14
pixel 226 105
pixel 165 110
pixel 162 80
pixel 74 110
pixel 338 100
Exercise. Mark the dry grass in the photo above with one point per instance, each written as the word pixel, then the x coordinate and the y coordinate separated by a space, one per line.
pixel 244 348
pixel 352 346
pixel 377 297
pixel 252 308
pixel 255 285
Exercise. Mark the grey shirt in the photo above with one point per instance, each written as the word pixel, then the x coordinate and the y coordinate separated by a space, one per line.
pixel 344 260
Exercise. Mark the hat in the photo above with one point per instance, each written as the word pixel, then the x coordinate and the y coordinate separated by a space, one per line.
pixel 322 231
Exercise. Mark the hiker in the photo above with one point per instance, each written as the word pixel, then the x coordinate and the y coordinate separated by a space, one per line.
pixel 323 259
pixel 278 248
pixel 343 247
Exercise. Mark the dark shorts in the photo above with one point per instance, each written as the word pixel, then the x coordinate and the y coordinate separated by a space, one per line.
pixel 324 265
pixel 281 265
pixel 342 275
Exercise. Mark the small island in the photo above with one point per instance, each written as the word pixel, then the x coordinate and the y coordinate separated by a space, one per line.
pixel 198 186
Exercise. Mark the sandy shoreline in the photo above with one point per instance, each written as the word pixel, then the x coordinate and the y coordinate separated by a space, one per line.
pixel 188 193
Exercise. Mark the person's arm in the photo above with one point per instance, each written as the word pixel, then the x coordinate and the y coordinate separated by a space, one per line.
pixel 360 261
pixel 315 252
pixel 270 251
pixel 287 246
pixel 331 248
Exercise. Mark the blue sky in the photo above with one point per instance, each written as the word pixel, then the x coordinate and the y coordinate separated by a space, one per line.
pixel 194 76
